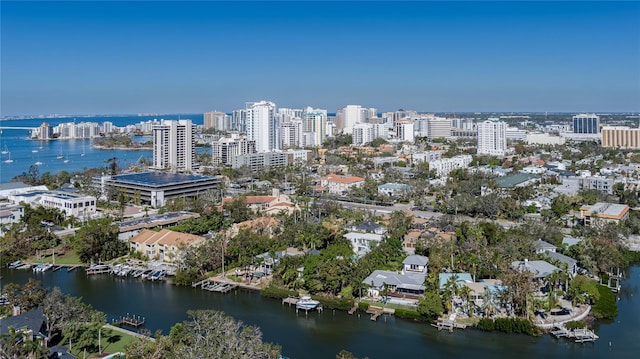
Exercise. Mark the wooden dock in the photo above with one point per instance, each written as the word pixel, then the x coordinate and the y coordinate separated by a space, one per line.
pixel 220 287
pixel 72 268
pixel 56 268
pixel 99 269
pixel 581 335
pixel 289 300
pixel 448 324
pixel 132 321
pixel 353 310
pixel 375 312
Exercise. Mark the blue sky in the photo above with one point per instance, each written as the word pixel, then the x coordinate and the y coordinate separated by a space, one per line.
pixel 174 57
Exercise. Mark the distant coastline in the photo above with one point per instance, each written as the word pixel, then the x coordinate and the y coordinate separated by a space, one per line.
pixel 99 147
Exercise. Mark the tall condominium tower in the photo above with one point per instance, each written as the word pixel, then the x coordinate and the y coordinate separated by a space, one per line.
pixel 404 130
pixel 492 137
pixel 262 125
pixel 586 123
pixel 315 124
pixel 173 145
pixel 218 121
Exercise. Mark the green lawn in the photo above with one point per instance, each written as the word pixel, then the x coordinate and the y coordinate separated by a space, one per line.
pixel 69 258
pixel 112 342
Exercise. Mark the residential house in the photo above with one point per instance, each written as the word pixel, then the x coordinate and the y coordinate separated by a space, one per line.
pixel 603 212
pixel 267 226
pixel 393 189
pixel 541 246
pixel 340 185
pixel 362 243
pixel 32 325
pixel 571 241
pixel 267 261
pixel 406 284
pixel 165 245
pixel 267 205
pixel 367 226
pixel 458 278
pixel 572 264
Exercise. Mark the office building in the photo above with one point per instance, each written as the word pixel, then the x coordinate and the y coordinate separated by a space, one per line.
pixel 621 137
pixel 173 145
pixel 156 188
pixel 586 123
pixel 262 126
pixel 492 139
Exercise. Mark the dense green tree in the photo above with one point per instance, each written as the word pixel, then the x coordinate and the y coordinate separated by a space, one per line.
pixel 98 241
pixel 430 306
pixel 28 296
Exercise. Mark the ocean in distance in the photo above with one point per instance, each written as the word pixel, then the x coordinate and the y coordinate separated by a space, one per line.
pixel 25 152
pixel 322 336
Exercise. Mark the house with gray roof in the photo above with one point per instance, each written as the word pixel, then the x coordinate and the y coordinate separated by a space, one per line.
pixel 571 241
pixel 541 246
pixel 572 264
pixel 31 324
pixel 368 226
pixel 539 269
pixel 415 264
pixel 407 283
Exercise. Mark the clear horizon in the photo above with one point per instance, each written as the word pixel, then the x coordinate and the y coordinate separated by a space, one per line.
pixel 112 58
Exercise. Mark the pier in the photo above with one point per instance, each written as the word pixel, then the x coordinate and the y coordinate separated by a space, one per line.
pixel 580 335
pixel 129 320
pixel 449 324
pixel 213 285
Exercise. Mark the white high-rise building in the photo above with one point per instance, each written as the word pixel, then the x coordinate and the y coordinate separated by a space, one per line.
pixel 404 130
pixel 315 122
pixel 492 138
pixel 291 133
pixel 173 145
pixel 361 133
pixel 262 125
pixel 351 115
pixel 225 149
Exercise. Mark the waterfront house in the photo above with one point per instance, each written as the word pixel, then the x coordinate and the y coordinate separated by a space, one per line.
pixel 165 245
pixel 31 325
pixel 540 269
pixel 406 284
pixel 571 264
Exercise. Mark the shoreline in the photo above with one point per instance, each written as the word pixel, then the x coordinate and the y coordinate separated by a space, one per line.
pixel 98 147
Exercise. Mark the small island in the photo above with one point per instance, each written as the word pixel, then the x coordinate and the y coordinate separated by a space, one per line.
pixel 121 143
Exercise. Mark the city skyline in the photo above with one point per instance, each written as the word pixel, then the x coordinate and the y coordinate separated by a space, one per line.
pixel 167 57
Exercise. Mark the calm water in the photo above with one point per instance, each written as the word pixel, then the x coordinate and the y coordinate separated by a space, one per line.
pixel 324 335
pixel 21 150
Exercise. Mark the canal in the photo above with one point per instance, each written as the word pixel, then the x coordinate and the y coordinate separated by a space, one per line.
pixel 324 335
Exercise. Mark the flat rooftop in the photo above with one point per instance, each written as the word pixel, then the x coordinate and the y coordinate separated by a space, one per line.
pixel 159 179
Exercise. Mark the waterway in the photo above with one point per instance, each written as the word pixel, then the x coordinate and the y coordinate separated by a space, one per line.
pixel 25 152
pixel 324 335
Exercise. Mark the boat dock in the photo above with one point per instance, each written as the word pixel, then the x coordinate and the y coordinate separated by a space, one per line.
pixel 449 324
pixel 581 335
pixel 353 310
pixel 295 301
pixel 98 269
pixel 129 320
pixel 213 285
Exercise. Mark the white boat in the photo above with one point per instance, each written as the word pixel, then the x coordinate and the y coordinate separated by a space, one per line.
pixel 66 160
pixel 305 302
pixel 9 160
pixel 5 150
pixel 38 163
pixel 34 151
